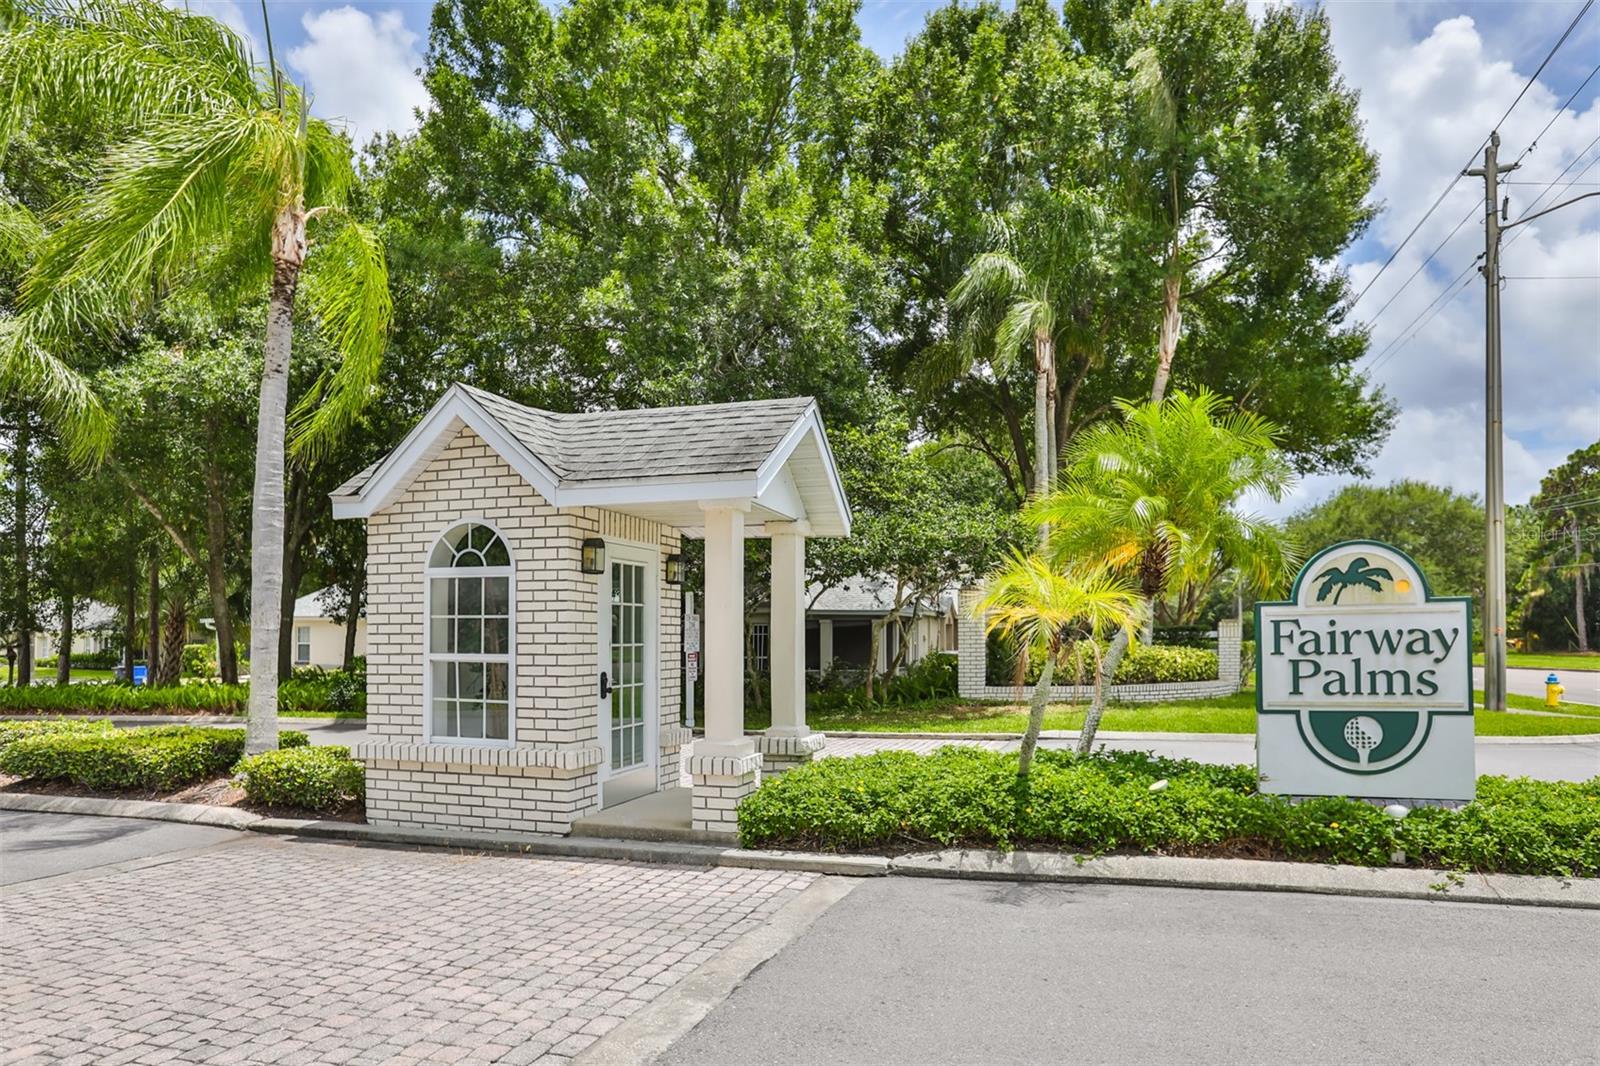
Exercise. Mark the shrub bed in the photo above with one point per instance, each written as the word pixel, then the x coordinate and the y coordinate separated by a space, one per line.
pixel 313 779
pixel 14 731
pixel 967 797
pixel 159 758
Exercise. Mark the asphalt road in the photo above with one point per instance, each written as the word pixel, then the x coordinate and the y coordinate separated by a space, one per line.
pixel 921 972
pixel 47 845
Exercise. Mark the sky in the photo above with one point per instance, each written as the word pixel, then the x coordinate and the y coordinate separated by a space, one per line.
pixel 1434 78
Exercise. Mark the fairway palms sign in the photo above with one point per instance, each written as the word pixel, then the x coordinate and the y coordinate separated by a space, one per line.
pixel 1364 681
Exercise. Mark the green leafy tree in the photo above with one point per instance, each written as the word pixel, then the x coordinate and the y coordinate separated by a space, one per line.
pixel 1041 606
pixel 221 182
pixel 1560 570
pixel 1440 529
pixel 919 532
pixel 1154 498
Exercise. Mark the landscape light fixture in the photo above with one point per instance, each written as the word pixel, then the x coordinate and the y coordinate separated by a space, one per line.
pixel 594 555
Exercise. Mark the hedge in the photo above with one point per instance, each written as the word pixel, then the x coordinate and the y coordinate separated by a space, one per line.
pixel 113 698
pixel 968 797
pixel 313 779
pixel 1143 664
pixel 11 731
pixel 335 691
pixel 161 758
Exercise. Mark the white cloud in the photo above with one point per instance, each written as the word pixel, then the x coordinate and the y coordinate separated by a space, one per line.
pixel 362 69
pixel 1429 96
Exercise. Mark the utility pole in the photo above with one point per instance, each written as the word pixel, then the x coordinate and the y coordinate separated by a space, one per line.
pixel 1494 497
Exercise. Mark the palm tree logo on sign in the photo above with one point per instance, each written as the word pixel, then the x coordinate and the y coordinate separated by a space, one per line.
pixel 1355 672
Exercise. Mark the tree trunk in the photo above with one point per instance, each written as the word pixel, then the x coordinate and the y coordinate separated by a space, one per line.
pixel 1052 388
pixel 1102 686
pixel 872 655
pixel 173 638
pixel 152 645
pixel 130 617
pixel 23 604
pixel 266 515
pixel 1041 699
pixel 1577 586
pixel 1041 427
pixel 353 597
pixel 1171 322
pixel 217 575
pixel 64 643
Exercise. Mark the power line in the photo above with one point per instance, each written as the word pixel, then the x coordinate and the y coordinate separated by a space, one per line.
pixel 1474 155
pixel 1472 209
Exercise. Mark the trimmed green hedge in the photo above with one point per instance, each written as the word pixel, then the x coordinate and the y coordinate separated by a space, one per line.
pixel 203 698
pixel 313 779
pixel 968 797
pixel 160 757
pixel 1145 664
pixel 11 731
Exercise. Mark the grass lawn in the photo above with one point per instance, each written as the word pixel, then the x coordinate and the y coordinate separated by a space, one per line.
pixel 1549 660
pixel 1227 714
pixel 78 674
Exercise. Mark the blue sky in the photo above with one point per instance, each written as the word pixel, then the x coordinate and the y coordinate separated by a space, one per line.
pixel 1433 77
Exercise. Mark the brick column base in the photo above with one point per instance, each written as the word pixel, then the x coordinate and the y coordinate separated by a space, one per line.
pixel 780 753
pixel 719 782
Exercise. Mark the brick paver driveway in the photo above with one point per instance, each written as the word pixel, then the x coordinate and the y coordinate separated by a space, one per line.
pixel 276 951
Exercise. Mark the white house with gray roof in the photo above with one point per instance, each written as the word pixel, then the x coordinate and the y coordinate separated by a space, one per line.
pixel 524 611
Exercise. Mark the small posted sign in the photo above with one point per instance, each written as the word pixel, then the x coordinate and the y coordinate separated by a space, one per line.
pixel 1364 682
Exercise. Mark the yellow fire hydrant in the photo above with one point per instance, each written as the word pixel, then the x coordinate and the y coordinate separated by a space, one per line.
pixel 1552 691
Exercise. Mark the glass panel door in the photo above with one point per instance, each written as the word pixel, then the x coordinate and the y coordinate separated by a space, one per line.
pixel 628 638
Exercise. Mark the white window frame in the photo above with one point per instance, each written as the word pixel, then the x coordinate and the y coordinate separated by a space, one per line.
pixel 302 632
pixel 761 647
pixel 429 572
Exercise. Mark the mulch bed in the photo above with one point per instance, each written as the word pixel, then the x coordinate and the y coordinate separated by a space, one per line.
pixel 217 792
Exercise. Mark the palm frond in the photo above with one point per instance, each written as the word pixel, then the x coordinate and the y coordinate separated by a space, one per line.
pixel 60 393
pixel 1036 601
pixel 116 59
pixel 347 291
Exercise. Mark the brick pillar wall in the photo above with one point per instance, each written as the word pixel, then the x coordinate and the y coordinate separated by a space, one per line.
pixel 971 647
pixel 1230 643
pixel 719 783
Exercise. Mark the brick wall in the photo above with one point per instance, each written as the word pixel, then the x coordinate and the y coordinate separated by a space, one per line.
pixel 556 648
pixel 972 650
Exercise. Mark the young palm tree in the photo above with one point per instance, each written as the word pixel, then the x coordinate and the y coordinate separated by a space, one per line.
pixel 222 182
pixel 1153 498
pixel 1041 605
pixel 1019 293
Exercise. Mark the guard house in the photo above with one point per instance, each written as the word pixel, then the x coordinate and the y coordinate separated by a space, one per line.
pixel 524 610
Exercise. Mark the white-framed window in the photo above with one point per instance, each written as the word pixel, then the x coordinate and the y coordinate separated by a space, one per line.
pixel 302 645
pixel 468 680
pixel 760 647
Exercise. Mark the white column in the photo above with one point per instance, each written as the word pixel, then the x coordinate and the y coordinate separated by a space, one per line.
pixel 788 632
pixel 724 632
pixel 824 644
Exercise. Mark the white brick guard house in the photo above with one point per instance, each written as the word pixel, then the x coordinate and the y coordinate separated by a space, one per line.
pixel 524 608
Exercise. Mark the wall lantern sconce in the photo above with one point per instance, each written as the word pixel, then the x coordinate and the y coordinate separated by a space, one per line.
pixel 594 555
pixel 674 569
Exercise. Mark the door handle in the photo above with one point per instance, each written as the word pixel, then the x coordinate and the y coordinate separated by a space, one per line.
pixel 605 685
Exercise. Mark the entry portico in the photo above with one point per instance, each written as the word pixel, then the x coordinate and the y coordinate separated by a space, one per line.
pixel 524 605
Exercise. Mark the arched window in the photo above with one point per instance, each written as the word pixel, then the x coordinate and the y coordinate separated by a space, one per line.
pixel 469 671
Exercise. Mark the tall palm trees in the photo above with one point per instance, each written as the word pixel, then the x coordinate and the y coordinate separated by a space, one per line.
pixel 222 181
pixel 1153 498
pixel 1017 296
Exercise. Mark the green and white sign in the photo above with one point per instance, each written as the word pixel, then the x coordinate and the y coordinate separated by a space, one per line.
pixel 1364 682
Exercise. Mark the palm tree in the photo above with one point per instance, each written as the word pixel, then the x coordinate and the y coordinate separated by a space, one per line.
pixel 1153 498
pixel 1041 605
pixel 1016 296
pixel 222 182
pixel 1358 573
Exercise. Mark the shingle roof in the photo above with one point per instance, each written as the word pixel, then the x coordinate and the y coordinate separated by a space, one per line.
pixel 657 442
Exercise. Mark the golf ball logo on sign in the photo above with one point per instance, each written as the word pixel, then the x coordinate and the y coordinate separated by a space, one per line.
pixel 1364 682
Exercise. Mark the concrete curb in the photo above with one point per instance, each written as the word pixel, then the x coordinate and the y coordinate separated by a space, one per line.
pixel 1254 875
pixel 1157 870
pixel 1155 738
